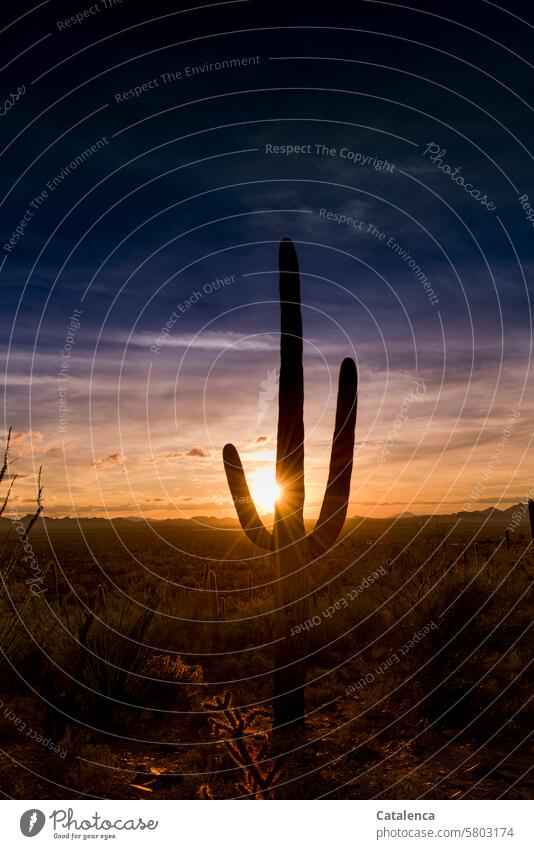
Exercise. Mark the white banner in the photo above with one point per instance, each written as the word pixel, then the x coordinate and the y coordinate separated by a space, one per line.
pixel 241 825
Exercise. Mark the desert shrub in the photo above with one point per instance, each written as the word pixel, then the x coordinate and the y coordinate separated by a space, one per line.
pixel 177 683
pixel 470 651
pixel 484 650
pixel 17 601
pixel 111 655
pixel 247 746
pixel 106 670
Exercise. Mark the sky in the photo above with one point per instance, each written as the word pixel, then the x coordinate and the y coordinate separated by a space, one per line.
pixel 151 161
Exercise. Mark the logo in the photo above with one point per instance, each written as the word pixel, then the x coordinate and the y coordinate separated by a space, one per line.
pixel 268 392
pixel 32 822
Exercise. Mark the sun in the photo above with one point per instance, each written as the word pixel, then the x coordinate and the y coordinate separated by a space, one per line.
pixel 264 489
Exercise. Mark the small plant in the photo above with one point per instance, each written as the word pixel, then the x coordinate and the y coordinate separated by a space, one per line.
pixel 10 557
pixel 111 653
pixel 247 743
pixel 178 682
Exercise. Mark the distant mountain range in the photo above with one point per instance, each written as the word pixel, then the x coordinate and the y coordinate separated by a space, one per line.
pixel 491 515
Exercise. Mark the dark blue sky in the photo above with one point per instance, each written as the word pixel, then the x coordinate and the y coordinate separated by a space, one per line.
pixel 433 284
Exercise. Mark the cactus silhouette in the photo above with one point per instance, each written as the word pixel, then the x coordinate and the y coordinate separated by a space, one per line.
pixel 531 517
pixel 291 546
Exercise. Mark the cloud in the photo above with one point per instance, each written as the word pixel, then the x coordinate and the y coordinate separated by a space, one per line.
pixel 107 461
pixel 20 379
pixel 197 452
pixel 23 437
pixel 27 442
pixel 24 442
pixel 209 340
pixel 189 505
pixel 261 439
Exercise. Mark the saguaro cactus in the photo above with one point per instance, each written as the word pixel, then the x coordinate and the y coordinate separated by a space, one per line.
pixel 292 547
pixel 531 517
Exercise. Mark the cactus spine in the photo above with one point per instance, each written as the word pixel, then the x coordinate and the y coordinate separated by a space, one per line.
pixel 291 547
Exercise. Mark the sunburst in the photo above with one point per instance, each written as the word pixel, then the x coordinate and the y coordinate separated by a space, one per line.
pixel 264 489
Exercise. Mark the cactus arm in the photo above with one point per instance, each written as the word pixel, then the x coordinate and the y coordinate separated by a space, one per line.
pixel 244 505
pixel 290 437
pixel 336 498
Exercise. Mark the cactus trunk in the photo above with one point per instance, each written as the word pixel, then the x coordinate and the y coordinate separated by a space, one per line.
pixel 291 547
pixel 531 517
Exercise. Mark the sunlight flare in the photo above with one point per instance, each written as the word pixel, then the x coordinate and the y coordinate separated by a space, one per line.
pixel 264 489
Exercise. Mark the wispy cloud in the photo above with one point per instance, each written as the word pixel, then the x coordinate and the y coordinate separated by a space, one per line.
pixel 108 461
pixel 198 452
pixel 209 340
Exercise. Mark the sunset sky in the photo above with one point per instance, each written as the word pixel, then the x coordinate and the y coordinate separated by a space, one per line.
pixel 182 193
